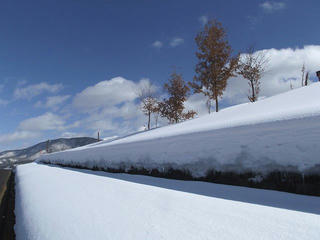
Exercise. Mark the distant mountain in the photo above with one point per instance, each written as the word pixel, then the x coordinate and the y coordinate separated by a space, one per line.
pixel 11 157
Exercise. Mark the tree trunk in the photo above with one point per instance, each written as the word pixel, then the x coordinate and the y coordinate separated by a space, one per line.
pixel 149 115
pixel 253 94
pixel 306 79
pixel 217 104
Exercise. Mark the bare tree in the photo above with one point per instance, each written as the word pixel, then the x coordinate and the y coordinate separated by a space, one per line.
pixel 304 76
pixel 216 65
pixel 173 107
pixel 148 100
pixel 252 66
pixel 156 113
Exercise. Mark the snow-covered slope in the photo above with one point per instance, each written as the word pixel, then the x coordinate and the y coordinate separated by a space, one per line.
pixel 7 158
pixel 280 132
pixel 59 203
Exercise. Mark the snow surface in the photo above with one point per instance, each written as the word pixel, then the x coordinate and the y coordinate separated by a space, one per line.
pixel 60 203
pixel 276 133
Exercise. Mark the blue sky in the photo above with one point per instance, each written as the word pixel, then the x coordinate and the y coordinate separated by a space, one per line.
pixel 53 52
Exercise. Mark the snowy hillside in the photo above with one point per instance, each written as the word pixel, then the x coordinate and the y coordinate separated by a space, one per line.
pixel 7 158
pixel 61 203
pixel 277 133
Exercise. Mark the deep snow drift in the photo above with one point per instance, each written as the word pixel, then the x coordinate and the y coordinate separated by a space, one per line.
pixel 59 203
pixel 276 133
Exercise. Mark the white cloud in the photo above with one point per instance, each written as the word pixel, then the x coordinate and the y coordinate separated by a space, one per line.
pixel 203 19
pixel 31 91
pixel 72 134
pixel 109 106
pixel 47 121
pixel 53 102
pixel 157 44
pixel 102 124
pixel 176 42
pixel 197 102
pixel 270 6
pixel 107 94
pixel 120 119
pixel 284 65
pixel 56 100
pixel 114 110
pixel 18 135
pixel 112 106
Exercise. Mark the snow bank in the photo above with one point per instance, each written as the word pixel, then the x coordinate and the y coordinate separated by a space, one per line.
pixel 58 203
pixel 276 133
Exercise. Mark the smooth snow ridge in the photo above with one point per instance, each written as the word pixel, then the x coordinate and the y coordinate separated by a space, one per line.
pixel 66 204
pixel 276 133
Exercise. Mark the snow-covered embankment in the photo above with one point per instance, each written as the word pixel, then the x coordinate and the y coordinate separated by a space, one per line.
pixel 278 133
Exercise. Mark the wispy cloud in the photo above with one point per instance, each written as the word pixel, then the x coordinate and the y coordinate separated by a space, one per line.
pixel 73 134
pixel 176 42
pixel 270 6
pixel 18 135
pixel 253 21
pixel 22 82
pixel 157 44
pixel 31 91
pixel 47 121
pixel 53 102
pixel 203 19
pixel 3 102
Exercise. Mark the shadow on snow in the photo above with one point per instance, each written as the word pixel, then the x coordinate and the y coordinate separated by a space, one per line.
pixel 271 198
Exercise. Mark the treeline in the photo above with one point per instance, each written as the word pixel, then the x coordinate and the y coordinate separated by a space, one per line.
pixel 216 65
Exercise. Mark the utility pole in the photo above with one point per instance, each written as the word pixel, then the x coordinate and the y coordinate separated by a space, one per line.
pixel 302 70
